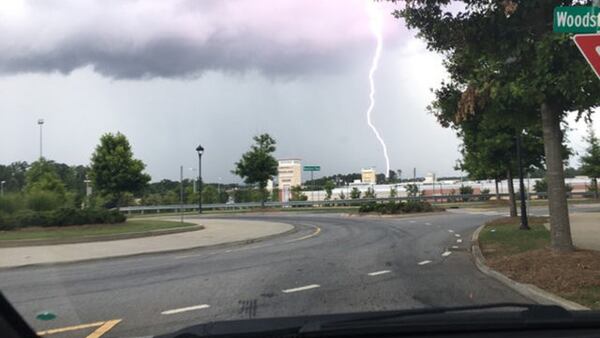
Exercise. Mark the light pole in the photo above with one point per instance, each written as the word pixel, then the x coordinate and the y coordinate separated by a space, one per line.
pixel 2 188
pixel 193 181
pixel 524 221
pixel 40 123
pixel 200 151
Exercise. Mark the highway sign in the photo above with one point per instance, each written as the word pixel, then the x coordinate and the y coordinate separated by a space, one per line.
pixel 312 168
pixel 576 19
pixel 589 46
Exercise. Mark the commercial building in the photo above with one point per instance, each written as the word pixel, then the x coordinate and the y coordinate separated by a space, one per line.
pixel 368 176
pixel 289 174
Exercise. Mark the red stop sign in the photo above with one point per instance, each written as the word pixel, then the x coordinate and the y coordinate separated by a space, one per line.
pixel 589 45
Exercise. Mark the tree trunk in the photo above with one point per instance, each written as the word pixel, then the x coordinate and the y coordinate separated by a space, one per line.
pixel 560 228
pixel 497 191
pixel 511 194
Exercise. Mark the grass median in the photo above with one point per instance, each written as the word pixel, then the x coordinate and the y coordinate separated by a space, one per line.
pixel 525 256
pixel 91 230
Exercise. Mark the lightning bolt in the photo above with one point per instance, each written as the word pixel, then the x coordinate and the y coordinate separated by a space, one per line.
pixel 376 25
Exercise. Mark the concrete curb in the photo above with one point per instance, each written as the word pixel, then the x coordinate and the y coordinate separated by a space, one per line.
pixel 527 290
pixel 99 238
pixel 212 246
pixel 412 215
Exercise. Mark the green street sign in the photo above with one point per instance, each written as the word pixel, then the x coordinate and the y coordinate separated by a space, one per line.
pixel 576 19
pixel 312 168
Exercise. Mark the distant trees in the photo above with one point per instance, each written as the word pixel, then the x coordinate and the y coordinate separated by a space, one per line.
pixel 114 171
pixel 329 186
pixel 590 161
pixel 258 166
pixel 355 193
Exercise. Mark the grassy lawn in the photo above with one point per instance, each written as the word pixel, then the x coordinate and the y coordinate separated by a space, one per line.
pixel 91 230
pixel 503 237
pixel 526 256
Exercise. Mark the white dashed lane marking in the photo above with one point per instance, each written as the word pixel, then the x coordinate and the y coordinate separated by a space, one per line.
pixel 450 231
pixel 424 262
pixel 446 253
pixel 428 223
pixel 377 273
pixel 456 235
pixel 455 247
pixel 302 288
pixel 185 309
pixel 459 240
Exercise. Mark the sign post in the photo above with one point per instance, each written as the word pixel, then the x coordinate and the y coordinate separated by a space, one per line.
pixel 312 169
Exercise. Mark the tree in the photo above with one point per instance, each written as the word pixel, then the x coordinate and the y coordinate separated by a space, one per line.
pixel 370 193
pixel 114 171
pixel 257 166
pixel 393 192
pixel 42 177
pixel 590 162
pixel 412 190
pixel 297 194
pixel 355 193
pixel 329 186
pixel 210 194
pixel 506 48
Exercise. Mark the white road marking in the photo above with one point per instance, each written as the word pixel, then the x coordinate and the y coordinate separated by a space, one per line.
pixel 456 235
pixel 455 247
pixel 459 240
pixel 451 231
pixel 377 273
pixel 446 253
pixel 427 223
pixel 315 233
pixel 424 262
pixel 302 288
pixel 411 221
pixel 185 309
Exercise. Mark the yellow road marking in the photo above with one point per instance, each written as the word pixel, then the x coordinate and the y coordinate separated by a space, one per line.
pixel 69 328
pixel 104 328
pixel 307 236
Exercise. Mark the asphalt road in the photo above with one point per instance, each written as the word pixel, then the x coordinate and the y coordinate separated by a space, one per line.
pixel 333 263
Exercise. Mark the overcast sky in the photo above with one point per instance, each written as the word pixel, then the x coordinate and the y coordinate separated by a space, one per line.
pixel 172 74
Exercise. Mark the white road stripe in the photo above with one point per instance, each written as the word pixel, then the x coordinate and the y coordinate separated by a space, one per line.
pixel 456 235
pixel 376 273
pixel 185 309
pixel 447 253
pixel 450 231
pixel 459 240
pixel 302 288
pixel 427 223
pixel 424 262
pixel 455 247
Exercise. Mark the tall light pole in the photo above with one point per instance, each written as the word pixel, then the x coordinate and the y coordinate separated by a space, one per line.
pixel 200 151
pixel 2 188
pixel 524 222
pixel 40 123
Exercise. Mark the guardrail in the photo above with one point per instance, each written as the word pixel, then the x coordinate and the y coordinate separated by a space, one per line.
pixel 330 203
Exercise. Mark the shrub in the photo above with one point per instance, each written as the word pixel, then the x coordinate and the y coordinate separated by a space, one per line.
pixel 465 190
pixel 60 217
pixel 410 206
pixel 44 200
pixel 10 203
pixel 485 195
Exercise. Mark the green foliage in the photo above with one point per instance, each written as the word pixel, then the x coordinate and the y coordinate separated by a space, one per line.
pixel 114 171
pixel 10 203
pixel 60 217
pixel 393 192
pixel 342 195
pixel 485 195
pixel 258 166
pixel 329 186
pixel 14 176
pixel 391 207
pixel 590 161
pixel 412 190
pixel 370 193
pixel 41 177
pixel 210 195
pixel 297 194
pixel 40 200
pixel 355 193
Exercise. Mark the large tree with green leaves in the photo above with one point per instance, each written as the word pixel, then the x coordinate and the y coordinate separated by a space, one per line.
pixel 590 161
pixel 506 48
pixel 114 171
pixel 258 166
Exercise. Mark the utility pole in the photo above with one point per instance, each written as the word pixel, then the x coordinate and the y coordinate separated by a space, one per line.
pixel 415 175
pixel 181 191
pixel 40 123
pixel 524 221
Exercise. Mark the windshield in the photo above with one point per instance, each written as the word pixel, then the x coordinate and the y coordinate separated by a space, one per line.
pixel 173 163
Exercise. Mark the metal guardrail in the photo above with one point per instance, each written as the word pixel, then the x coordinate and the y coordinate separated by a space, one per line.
pixel 329 203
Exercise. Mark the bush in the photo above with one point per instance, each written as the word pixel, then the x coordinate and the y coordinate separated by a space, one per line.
pixel 44 200
pixel 10 203
pixel 485 195
pixel 60 217
pixel 391 207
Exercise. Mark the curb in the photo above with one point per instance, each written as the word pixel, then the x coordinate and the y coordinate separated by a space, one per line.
pixel 527 290
pixel 213 246
pixel 411 215
pixel 99 238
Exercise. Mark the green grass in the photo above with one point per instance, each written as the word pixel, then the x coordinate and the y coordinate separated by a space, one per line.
pixel 588 296
pixel 77 231
pixel 503 236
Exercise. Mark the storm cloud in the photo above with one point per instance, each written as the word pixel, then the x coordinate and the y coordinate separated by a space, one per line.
pixel 183 39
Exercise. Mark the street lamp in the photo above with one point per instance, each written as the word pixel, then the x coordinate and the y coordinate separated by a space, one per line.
pixel 200 151
pixel 2 188
pixel 40 122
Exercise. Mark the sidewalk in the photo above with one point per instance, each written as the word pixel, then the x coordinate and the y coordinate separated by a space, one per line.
pixel 585 230
pixel 215 232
